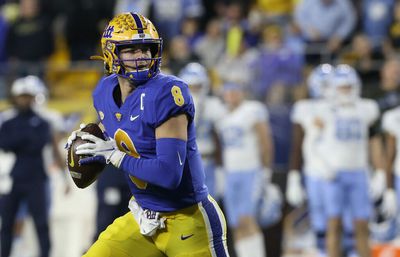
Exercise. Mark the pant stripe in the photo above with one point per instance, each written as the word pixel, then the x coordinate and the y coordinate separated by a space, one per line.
pixel 215 228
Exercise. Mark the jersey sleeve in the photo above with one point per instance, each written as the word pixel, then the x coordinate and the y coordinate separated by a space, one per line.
pixel 298 112
pixel 217 109
pixel 371 111
pixel 172 100
pixel 257 113
pixel 388 123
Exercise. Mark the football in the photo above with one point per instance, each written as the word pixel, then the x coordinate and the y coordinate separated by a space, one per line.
pixel 84 175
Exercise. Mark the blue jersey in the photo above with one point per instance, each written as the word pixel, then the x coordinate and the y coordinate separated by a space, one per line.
pixel 133 126
pixel 26 134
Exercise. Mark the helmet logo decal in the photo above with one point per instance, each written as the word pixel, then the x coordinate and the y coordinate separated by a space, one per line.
pixel 108 32
pixel 109 46
pixel 101 115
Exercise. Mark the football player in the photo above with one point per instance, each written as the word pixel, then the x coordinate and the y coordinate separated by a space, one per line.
pixel 149 119
pixel 25 133
pixel 305 135
pixel 209 109
pixel 247 155
pixel 390 122
pixel 344 148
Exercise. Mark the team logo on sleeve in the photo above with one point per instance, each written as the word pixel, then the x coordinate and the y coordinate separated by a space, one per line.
pixel 101 115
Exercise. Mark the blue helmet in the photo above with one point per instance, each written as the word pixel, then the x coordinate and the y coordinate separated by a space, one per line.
pixel 319 80
pixel 269 210
pixel 345 75
pixel 195 75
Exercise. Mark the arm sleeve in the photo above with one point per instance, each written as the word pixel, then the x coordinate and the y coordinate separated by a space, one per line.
pixel 165 170
pixel 387 123
pixel 373 112
pixel 299 113
pixel 257 113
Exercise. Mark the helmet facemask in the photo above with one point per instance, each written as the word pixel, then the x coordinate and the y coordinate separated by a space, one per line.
pixel 346 94
pixel 138 70
pixel 347 85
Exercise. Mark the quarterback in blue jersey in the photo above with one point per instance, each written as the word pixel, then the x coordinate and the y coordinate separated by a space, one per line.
pixel 148 118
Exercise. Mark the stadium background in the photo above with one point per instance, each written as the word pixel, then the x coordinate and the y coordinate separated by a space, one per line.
pixel 258 41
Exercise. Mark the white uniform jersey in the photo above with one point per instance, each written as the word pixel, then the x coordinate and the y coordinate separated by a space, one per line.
pixel 305 113
pixel 391 124
pixel 345 137
pixel 240 143
pixel 208 111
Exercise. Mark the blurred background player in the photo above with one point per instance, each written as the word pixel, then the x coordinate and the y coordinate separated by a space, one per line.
pixel 306 135
pixel 247 155
pixel 390 126
pixel 112 195
pixel 54 165
pixel 345 130
pixel 209 110
pixel 26 134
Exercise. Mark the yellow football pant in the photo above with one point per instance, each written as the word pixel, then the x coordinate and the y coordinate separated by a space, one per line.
pixel 196 231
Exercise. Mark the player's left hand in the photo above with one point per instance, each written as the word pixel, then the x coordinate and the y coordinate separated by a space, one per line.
pixel 377 184
pixel 295 194
pixel 105 151
pixel 73 135
pixel 389 204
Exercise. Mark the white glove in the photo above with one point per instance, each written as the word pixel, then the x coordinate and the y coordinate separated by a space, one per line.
pixel 389 203
pixel 266 175
pixel 294 191
pixel 73 135
pixel 377 184
pixel 107 150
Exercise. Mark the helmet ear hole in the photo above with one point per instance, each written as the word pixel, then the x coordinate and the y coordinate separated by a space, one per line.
pixel 154 49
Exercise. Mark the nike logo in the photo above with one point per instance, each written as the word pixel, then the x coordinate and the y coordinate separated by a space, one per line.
pixel 180 160
pixel 186 237
pixel 72 162
pixel 134 117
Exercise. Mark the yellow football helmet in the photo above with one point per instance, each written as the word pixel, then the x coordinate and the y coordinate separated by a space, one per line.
pixel 124 30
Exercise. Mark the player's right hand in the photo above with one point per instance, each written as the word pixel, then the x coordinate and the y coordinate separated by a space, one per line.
pixel 389 204
pixel 294 190
pixel 72 137
pixel 377 184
